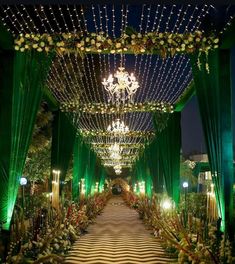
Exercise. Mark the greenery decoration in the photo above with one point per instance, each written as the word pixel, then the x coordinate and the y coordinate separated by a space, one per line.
pixel 165 43
pixel 101 108
pixel 105 133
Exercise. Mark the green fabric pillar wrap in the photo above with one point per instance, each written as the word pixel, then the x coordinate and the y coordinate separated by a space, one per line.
pixel 169 144
pixel 90 170
pixel 63 136
pixel 213 91
pixel 22 76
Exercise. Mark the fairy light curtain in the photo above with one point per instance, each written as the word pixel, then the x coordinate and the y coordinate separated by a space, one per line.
pixel 213 88
pixel 63 135
pixel 168 143
pixel 21 82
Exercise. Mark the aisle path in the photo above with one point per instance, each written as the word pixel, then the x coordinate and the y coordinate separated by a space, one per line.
pixel 117 236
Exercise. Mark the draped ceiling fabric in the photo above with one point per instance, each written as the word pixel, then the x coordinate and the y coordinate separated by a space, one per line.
pixel 63 136
pixel 21 82
pixel 168 145
pixel 213 89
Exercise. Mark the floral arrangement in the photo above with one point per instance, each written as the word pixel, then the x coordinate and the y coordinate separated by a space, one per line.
pixel 95 108
pixel 198 242
pixel 130 42
pixel 52 240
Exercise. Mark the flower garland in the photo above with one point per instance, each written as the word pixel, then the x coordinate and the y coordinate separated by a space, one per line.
pixel 152 42
pixel 105 133
pixel 101 108
pixel 122 145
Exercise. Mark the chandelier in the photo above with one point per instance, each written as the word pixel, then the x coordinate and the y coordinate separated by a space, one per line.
pixel 121 87
pixel 118 127
pixel 118 169
pixel 115 151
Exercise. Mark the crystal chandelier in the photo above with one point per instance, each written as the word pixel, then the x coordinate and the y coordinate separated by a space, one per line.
pixel 118 169
pixel 115 151
pixel 121 87
pixel 118 127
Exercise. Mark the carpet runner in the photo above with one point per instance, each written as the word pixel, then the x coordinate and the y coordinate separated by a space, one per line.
pixel 117 236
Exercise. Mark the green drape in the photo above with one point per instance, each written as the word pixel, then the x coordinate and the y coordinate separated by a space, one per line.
pixel 90 171
pixel 142 173
pixel 22 76
pixel 168 143
pixel 153 160
pixel 79 165
pixel 102 179
pixel 213 91
pixel 63 136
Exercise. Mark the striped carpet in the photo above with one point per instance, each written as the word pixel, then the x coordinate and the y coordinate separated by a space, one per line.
pixel 117 236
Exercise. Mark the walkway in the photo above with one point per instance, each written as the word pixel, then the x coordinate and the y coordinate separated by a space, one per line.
pixel 118 236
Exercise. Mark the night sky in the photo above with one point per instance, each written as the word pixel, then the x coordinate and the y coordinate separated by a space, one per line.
pixel 192 134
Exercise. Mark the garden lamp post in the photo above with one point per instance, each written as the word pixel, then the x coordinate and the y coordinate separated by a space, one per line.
pixel 23 182
pixel 185 186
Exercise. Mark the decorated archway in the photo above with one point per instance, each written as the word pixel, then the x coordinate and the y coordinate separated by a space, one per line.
pixel 121 182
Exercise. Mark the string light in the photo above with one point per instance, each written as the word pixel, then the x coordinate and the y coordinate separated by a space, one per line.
pixel 74 79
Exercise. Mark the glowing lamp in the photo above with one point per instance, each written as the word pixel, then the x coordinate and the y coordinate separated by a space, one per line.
pixel 166 205
pixel 23 181
pixel 185 184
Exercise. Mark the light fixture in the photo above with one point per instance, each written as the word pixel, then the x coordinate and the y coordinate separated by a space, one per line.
pixel 142 187
pixel 121 87
pixel 166 204
pixel 82 186
pixel 115 151
pixel 185 184
pixel 118 127
pixel 23 181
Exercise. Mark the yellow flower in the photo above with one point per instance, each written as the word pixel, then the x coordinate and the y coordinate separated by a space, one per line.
pixel 35 46
pixel 169 40
pixel 21 40
pixel 49 38
pixel 110 42
pixel 17 47
pixel 88 49
pixel 82 42
pixel 160 35
pixel 78 45
pixel 99 50
pixel 118 45
pixel 27 35
pixel 47 49
pixel 133 36
pixel 92 41
pixel 198 39
pixel 42 44
pixel 190 39
pixel 216 40
pixel 98 45
pixel 39 49
pixel 26 46
pixel 162 42
pixel 99 38
pixel 21 49
pixel 139 35
pixel 112 51
pixel 142 50
pixel 36 38
pixel 87 39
